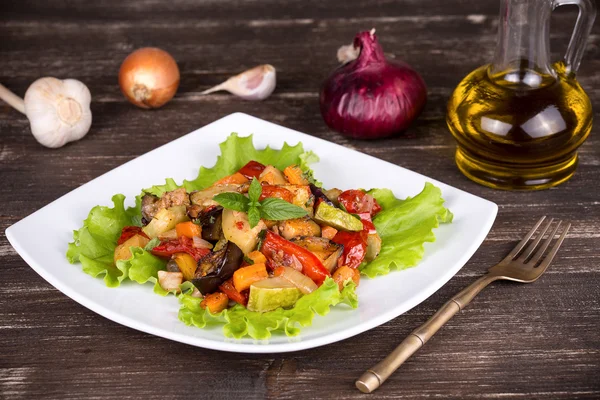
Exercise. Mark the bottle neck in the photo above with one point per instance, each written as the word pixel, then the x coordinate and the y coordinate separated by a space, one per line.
pixel 521 57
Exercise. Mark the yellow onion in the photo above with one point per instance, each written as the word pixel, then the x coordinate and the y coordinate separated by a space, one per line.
pixel 149 77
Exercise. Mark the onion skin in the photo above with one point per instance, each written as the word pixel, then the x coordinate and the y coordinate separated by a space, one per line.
pixel 149 77
pixel 371 97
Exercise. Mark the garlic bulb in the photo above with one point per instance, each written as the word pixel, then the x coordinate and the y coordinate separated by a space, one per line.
pixel 255 84
pixel 58 110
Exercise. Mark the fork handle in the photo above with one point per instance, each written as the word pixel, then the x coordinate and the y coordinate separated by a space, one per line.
pixel 374 377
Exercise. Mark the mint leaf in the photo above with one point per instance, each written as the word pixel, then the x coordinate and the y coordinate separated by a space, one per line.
pixel 233 201
pixel 254 191
pixel 253 216
pixel 278 210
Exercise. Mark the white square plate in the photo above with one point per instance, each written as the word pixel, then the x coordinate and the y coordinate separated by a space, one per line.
pixel 136 306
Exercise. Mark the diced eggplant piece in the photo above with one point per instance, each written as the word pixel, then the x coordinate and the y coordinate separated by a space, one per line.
pixel 333 195
pixel 217 267
pixel 319 194
pixel 211 221
pixel 328 252
pixel 148 209
pixel 292 228
pixel 331 262
pixel 373 246
pixel 172 266
pixel 152 205
pixel 194 211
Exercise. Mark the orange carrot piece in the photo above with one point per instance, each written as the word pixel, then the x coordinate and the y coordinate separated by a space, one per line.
pixel 244 277
pixel 294 175
pixel 215 302
pixel 236 178
pixel 188 229
pixel 257 257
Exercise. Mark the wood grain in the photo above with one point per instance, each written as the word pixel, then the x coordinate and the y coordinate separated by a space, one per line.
pixel 539 341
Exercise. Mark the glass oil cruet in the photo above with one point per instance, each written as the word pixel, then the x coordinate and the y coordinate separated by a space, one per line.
pixel 519 121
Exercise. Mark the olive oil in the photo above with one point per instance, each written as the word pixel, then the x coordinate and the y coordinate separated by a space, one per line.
pixel 519 129
pixel 519 121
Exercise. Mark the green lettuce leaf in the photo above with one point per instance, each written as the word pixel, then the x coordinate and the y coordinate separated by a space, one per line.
pixel 158 190
pixel 142 267
pixel 404 227
pixel 94 244
pixel 306 159
pixel 238 151
pixel 240 322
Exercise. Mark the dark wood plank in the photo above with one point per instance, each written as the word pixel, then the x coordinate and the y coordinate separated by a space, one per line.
pixel 516 342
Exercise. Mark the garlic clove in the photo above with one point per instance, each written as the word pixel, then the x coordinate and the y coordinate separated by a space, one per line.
pixel 350 52
pixel 347 53
pixel 58 110
pixel 254 84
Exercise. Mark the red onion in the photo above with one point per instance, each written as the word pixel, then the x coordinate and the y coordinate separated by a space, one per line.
pixel 371 97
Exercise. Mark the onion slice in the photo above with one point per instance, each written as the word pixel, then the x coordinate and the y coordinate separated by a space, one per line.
pixel 170 280
pixel 200 243
pixel 298 279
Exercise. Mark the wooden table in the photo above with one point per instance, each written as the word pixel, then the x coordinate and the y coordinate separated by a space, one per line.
pixel 539 341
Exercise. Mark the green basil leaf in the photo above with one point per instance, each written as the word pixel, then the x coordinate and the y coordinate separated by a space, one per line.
pixel 255 190
pixel 233 201
pixel 278 210
pixel 253 216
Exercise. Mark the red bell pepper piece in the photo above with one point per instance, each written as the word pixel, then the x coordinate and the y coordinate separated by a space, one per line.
pixel 231 292
pixel 252 170
pixel 279 251
pixel 181 245
pixel 355 247
pixel 368 226
pixel 359 202
pixel 128 232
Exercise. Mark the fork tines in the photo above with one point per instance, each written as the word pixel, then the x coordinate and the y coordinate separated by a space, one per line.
pixel 533 253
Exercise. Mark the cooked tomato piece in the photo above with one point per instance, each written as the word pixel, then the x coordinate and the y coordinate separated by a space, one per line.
pixel 358 202
pixel 355 247
pixel 252 170
pixel 130 231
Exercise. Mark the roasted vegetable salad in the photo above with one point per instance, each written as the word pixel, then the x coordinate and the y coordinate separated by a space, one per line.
pixel 257 244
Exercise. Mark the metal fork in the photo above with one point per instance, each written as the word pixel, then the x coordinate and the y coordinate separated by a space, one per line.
pixel 522 264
